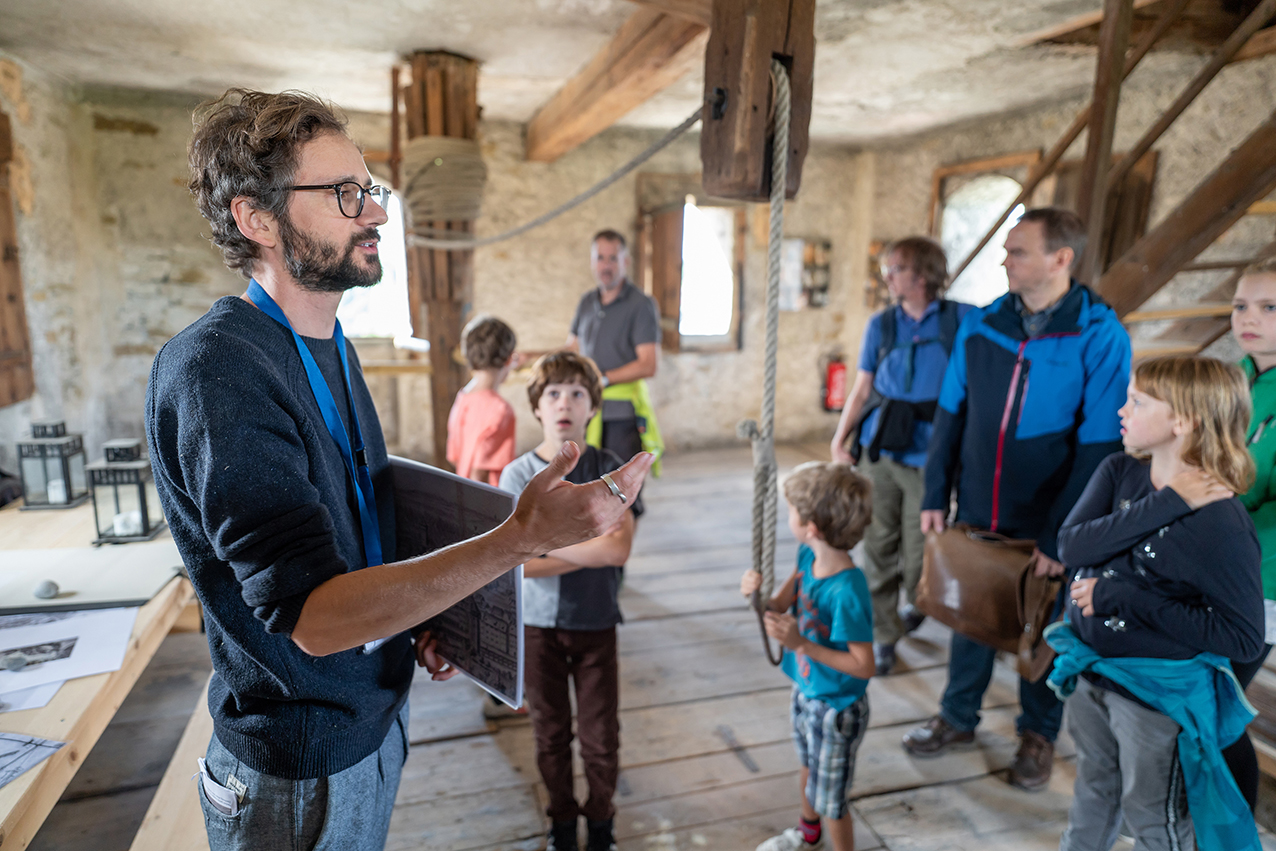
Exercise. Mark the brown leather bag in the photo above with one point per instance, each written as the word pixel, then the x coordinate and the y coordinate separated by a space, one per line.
pixel 984 586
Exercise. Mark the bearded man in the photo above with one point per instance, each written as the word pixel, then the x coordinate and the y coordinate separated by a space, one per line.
pixel 272 471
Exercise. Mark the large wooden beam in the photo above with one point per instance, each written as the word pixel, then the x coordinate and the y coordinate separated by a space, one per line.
pixel 442 100
pixel 699 11
pixel 651 51
pixel 1114 37
pixel 1247 175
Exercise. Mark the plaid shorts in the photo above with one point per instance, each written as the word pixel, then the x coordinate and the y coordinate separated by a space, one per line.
pixel 826 742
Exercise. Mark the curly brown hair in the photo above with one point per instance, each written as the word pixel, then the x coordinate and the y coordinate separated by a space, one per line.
pixel 249 143
pixel 565 368
pixel 487 342
pixel 834 497
pixel 927 259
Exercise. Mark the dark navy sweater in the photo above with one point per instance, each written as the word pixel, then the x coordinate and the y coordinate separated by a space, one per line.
pixel 263 511
pixel 1173 582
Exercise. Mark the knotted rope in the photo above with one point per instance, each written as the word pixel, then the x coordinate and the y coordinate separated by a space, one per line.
pixel 763 437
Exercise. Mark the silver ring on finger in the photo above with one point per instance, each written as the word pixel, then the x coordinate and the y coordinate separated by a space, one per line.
pixel 611 485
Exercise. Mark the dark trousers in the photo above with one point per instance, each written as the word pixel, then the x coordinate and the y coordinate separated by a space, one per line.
pixel 1240 756
pixel 622 437
pixel 969 672
pixel 588 658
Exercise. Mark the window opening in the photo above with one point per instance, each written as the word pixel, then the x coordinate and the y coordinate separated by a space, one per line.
pixel 707 302
pixel 382 310
pixel 968 212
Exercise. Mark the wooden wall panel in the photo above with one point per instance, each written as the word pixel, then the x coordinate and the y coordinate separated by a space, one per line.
pixel 17 380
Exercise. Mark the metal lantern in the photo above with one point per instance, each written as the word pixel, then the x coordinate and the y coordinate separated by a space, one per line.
pixel 125 504
pixel 52 466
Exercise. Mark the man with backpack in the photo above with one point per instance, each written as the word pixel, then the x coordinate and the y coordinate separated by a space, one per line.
pixel 888 414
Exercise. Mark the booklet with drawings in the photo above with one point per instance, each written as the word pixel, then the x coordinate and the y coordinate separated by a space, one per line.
pixel 482 636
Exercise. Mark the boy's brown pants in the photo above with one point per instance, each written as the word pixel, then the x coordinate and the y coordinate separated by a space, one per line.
pixel 588 657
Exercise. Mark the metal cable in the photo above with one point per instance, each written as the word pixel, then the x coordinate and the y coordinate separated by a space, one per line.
pixel 763 437
pixel 431 239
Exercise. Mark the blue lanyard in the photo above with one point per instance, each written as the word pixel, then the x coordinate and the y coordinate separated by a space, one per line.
pixel 356 460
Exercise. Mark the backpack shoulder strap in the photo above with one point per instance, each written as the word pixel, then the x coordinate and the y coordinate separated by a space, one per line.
pixel 886 342
pixel 947 325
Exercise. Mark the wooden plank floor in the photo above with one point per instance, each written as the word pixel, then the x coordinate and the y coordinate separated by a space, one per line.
pixel 691 662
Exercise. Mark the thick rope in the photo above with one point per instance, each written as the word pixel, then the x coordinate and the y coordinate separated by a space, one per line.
pixel 431 239
pixel 443 179
pixel 763 437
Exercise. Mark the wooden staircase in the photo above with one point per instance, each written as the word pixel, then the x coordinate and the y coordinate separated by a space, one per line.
pixel 1172 286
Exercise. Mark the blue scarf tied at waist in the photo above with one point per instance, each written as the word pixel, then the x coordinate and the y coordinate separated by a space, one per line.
pixel 1202 696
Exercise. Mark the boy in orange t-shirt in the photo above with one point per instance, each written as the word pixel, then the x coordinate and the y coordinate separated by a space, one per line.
pixel 480 427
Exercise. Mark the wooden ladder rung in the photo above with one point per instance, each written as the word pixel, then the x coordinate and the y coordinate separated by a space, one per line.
pixel 1162 351
pixel 1200 311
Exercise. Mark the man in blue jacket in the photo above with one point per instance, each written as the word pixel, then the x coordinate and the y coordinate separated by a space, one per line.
pixel 1027 411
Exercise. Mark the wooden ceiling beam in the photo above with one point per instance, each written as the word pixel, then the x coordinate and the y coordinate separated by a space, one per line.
pixel 651 51
pixel 1247 175
pixel 700 11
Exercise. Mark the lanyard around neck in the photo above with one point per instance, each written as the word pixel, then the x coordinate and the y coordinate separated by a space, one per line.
pixel 356 459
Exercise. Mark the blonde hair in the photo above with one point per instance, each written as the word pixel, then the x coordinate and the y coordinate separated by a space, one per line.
pixel 1214 397
pixel 834 497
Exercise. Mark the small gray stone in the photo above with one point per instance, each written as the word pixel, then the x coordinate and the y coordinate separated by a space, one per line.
pixel 46 590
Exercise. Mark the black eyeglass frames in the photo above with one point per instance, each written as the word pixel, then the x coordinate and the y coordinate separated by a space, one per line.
pixel 350 195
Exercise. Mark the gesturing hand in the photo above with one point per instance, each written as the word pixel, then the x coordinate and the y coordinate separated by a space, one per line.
pixel 552 513
pixel 1198 488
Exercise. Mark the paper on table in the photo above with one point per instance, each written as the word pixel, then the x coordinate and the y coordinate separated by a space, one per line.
pixel 19 753
pixel 29 698
pixel 64 645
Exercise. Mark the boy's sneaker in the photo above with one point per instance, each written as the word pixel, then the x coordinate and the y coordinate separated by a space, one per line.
pixel 884 658
pixel 912 617
pixel 791 840
pixel 562 837
pixel 601 837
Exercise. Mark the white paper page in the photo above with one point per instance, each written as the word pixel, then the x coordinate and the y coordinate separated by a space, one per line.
pixel 29 698
pixel 19 754
pixel 65 645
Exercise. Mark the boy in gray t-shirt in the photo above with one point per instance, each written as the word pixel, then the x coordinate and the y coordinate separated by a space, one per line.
pixel 570 612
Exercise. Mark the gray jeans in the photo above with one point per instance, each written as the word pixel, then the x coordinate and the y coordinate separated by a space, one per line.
pixel 1127 765
pixel 347 810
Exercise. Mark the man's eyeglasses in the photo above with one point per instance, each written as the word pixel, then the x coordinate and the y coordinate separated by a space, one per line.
pixel 350 195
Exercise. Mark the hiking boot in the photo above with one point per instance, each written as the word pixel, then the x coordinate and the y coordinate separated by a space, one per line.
pixel 562 837
pixel 791 840
pixel 883 658
pixel 936 736
pixel 601 837
pixel 1033 762
pixel 911 617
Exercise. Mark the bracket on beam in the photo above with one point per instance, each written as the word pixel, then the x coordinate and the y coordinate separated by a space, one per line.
pixel 735 146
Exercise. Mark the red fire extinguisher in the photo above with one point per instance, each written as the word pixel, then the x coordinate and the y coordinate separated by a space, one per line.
pixel 833 392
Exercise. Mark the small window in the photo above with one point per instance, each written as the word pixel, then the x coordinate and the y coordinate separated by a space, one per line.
pixel 382 310
pixel 967 215
pixel 696 267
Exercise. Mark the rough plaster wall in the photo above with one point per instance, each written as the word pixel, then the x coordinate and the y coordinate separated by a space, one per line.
pixel 48 133
pixel 1234 104
pixel 534 282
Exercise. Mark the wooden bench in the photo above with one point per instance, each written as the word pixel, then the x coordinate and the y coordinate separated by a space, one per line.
pixel 174 821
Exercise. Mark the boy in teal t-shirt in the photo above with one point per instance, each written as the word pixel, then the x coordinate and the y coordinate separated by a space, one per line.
pixel 828 644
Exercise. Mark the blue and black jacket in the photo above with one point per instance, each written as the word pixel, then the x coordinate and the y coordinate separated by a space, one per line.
pixel 1023 423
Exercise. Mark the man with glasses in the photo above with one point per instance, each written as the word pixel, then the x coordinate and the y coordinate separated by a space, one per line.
pixel 272 471
pixel 889 413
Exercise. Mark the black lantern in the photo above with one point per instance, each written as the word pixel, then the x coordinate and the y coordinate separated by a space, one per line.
pixel 125 504
pixel 52 465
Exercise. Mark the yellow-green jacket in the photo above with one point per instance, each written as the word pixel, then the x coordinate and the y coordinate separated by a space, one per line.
pixel 634 392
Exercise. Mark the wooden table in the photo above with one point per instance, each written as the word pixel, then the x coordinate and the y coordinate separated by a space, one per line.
pixel 83 707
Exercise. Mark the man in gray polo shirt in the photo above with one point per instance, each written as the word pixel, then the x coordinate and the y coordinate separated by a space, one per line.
pixel 617 326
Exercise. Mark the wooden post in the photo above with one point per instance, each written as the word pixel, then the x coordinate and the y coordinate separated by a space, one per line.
pixel 1248 174
pixel 1114 37
pixel 442 100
